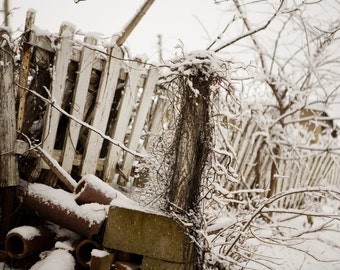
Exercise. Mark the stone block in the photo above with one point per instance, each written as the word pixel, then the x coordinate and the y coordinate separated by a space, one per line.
pixel 150 234
pixel 156 264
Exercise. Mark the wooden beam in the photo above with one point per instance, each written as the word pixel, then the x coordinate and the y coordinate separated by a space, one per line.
pixel 8 162
pixel 133 23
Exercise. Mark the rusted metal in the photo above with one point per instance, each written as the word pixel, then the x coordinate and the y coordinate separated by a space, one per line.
pixel 83 252
pixel 101 260
pixel 24 241
pixel 88 191
pixel 59 207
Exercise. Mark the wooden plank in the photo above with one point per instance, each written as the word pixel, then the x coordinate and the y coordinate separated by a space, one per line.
pixel 156 122
pixel 325 162
pixel 105 95
pixel 244 147
pixel 250 165
pixel 59 171
pixel 8 163
pixel 325 176
pixel 52 116
pixel 24 69
pixel 123 119
pixel 139 120
pixel 78 104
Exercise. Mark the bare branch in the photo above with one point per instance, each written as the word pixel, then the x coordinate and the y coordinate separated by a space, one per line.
pixel 251 32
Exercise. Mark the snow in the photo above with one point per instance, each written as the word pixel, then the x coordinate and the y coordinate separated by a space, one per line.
pixel 40 32
pixel 66 245
pixel 99 253
pixel 286 241
pixel 313 251
pixel 26 232
pixel 58 259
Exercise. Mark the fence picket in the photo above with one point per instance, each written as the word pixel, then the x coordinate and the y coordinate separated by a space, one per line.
pixel 244 145
pixel 139 120
pixel 158 115
pixel 52 116
pixel 123 119
pixel 78 104
pixel 105 95
pixel 250 165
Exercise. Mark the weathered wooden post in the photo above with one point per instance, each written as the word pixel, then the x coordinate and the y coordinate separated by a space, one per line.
pixel 8 163
pixel 192 141
pixel 195 78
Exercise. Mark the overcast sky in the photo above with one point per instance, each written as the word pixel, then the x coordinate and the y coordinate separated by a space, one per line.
pixel 176 20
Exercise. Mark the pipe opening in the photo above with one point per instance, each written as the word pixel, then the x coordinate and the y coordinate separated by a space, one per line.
pixel 15 245
pixel 83 252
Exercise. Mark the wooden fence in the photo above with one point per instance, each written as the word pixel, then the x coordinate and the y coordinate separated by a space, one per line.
pixel 92 111
pixel 94 104
pixel 252 162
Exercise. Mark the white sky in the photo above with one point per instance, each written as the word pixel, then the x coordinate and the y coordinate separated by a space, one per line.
pixel 192 22
pixel 175 19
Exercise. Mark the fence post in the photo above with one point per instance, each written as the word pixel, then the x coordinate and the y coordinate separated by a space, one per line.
pixel 8 164
pixel 192 140
pixel 192 136
pixel 24 68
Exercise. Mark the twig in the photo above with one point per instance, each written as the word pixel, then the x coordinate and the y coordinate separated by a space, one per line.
pixel 251 32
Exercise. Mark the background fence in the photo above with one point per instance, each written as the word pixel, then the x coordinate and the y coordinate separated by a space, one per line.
pixel 252 161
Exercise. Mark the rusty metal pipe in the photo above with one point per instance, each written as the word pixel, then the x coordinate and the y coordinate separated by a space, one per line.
pixel 88 192
pixel 59 207
pixel 92 189
pixel 83 252
pixel 24 241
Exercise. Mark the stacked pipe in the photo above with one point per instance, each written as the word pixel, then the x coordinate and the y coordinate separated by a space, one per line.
pixel 84 212
pixel 24 241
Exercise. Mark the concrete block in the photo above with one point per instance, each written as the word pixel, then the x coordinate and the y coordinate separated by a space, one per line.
pixel 146 233
pixel 156 264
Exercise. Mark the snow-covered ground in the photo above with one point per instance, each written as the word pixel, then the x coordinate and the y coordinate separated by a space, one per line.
pixel 316 246
pixel 283 241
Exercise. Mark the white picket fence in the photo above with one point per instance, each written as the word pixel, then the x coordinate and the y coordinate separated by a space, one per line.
pixel 117 109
